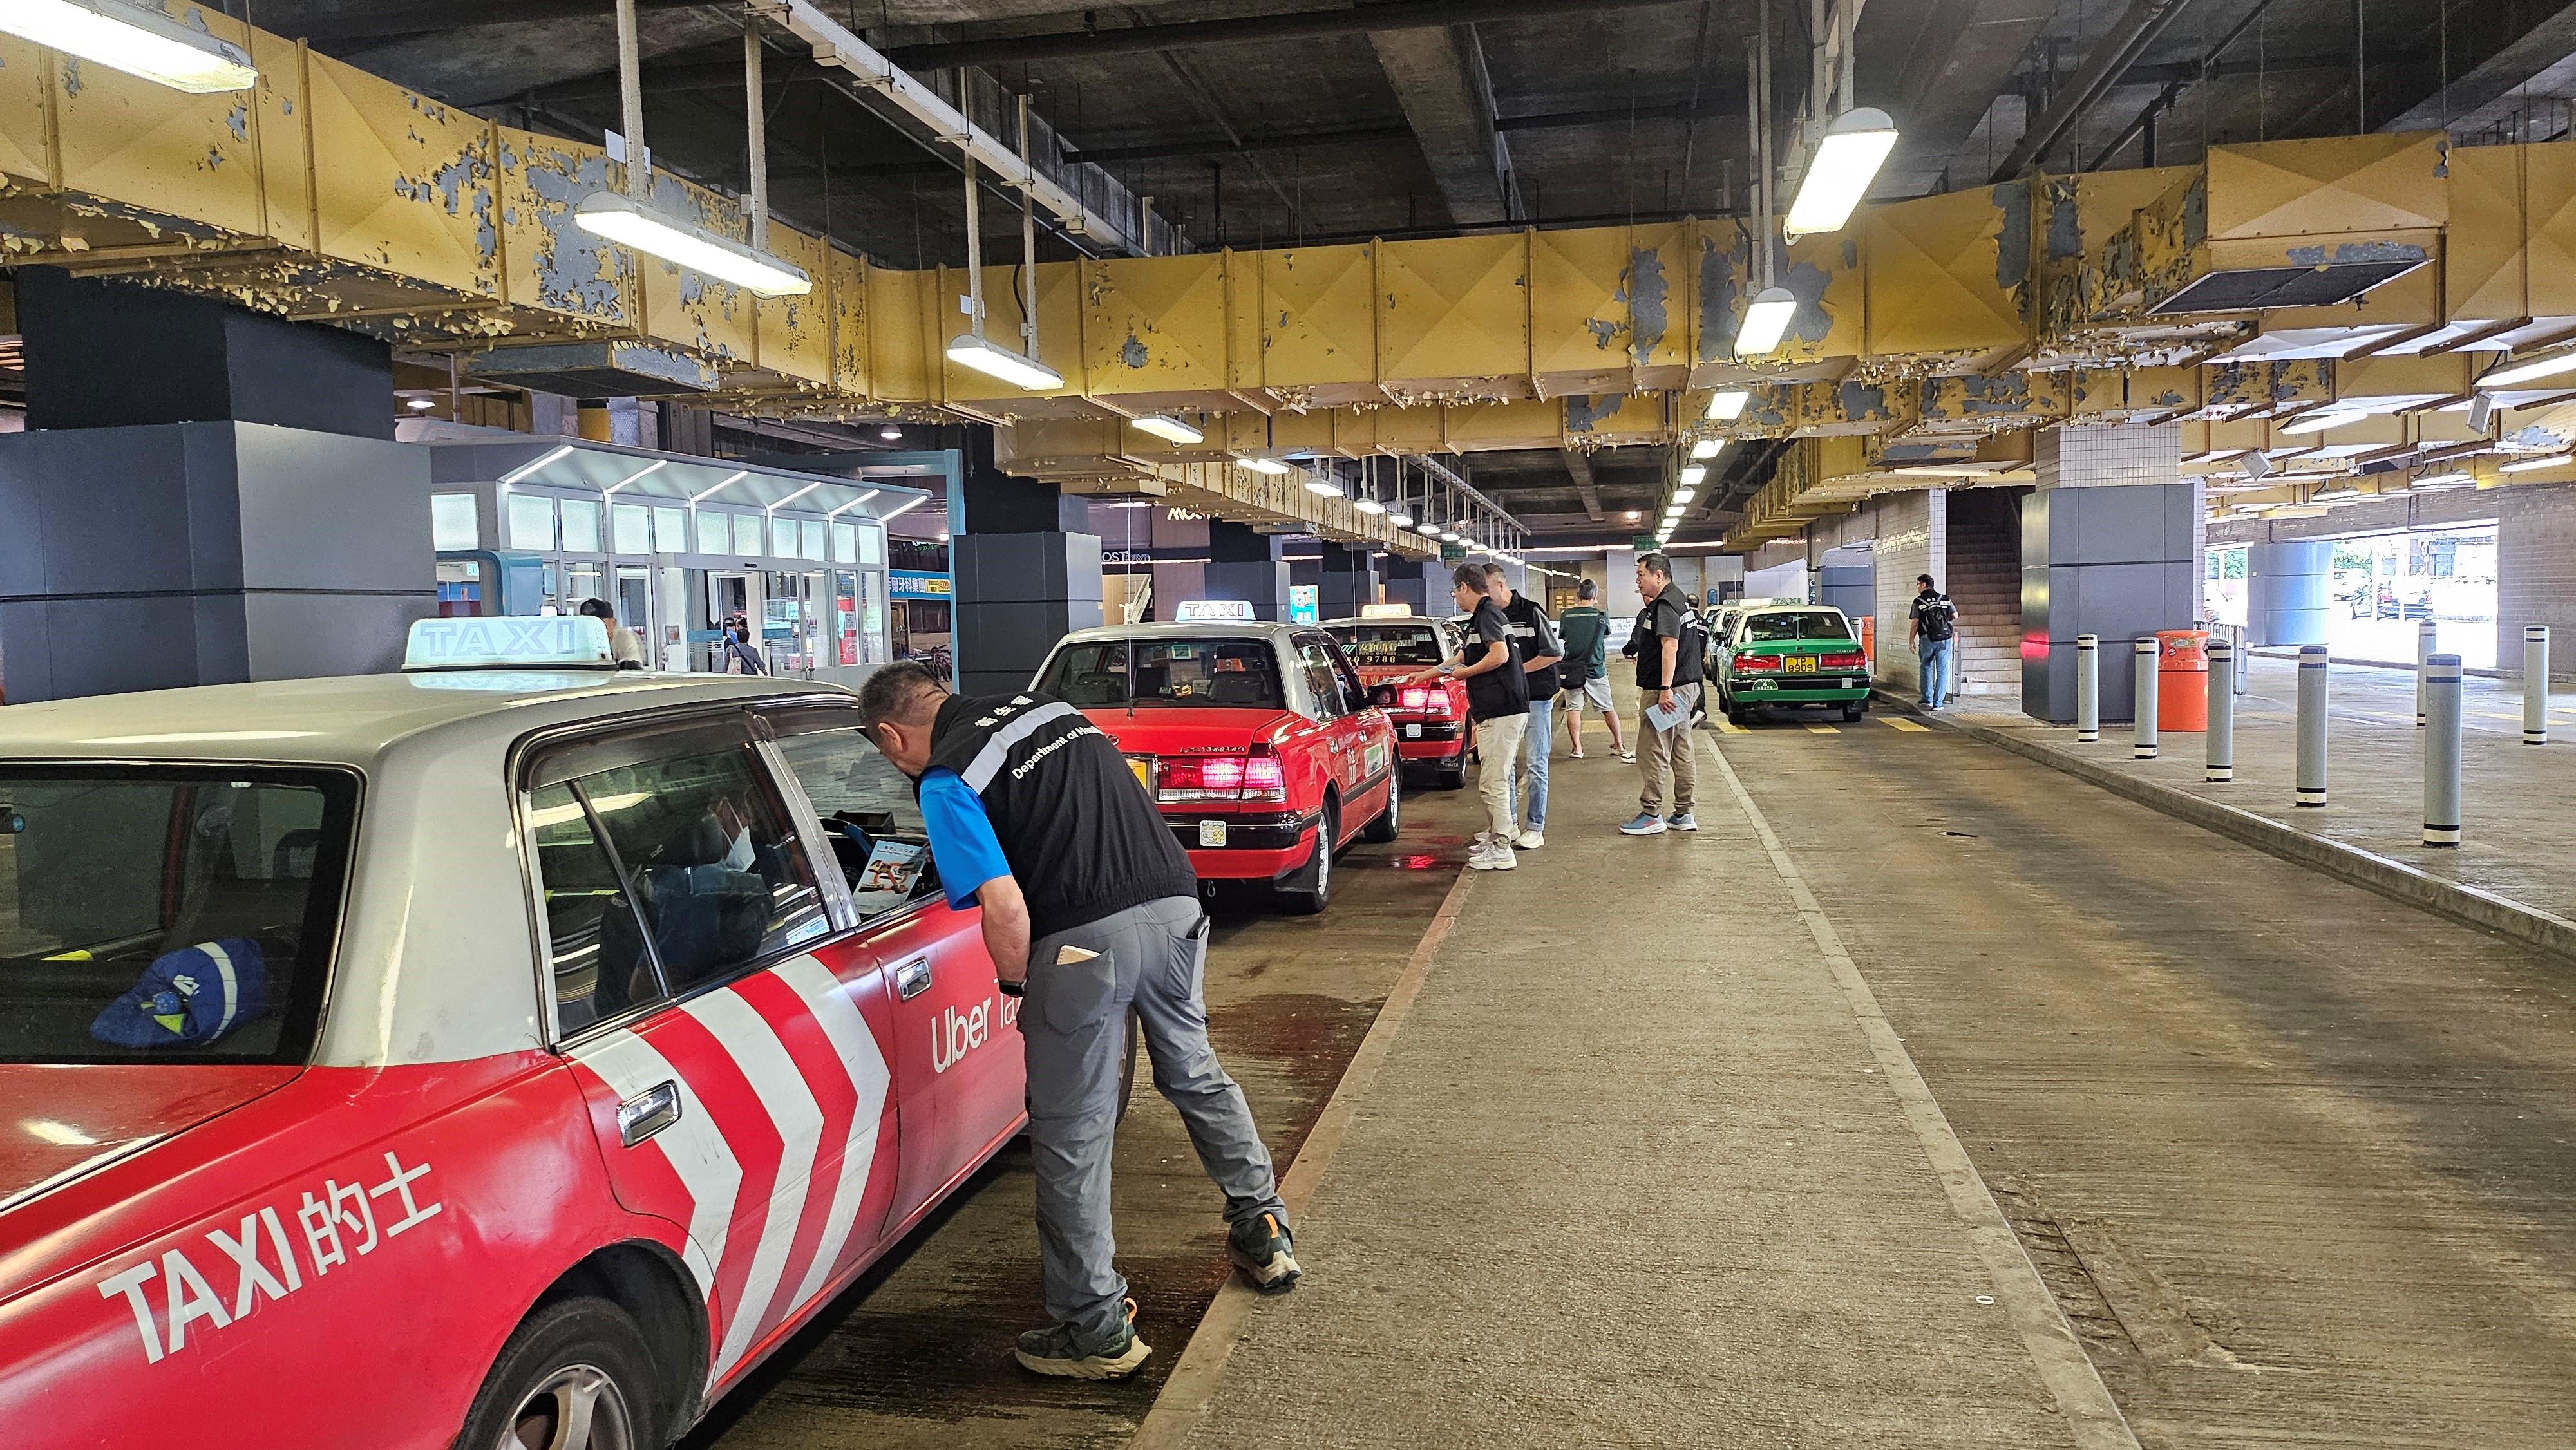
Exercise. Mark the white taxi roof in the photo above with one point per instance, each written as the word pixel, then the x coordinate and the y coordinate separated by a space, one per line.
pixel 1211 629
pixel 436 960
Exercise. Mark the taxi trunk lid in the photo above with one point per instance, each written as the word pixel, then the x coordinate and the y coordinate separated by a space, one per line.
pixel 1188 729
pixel 58 1123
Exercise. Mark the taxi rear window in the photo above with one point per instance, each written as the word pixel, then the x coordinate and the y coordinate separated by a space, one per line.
pixel 1371 645
pixel 1796 624
pixel 168 914
pixel 1241 673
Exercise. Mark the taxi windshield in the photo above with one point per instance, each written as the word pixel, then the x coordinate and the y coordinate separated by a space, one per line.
pixel 1791 624
pixel 1374 645
pixel 167 914
pixel 1236 673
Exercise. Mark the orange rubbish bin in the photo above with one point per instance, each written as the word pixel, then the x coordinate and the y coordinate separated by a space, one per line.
pixel 2182 679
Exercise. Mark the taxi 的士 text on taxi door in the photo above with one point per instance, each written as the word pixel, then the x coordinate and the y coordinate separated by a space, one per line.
pixel 1802 656
pixel 1430 720
pixel 469 1058
pixel 1257 741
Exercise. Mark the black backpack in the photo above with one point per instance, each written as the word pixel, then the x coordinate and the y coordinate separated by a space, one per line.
pixel 1941 621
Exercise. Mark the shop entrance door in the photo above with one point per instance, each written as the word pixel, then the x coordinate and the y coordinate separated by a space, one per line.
pixel 733 593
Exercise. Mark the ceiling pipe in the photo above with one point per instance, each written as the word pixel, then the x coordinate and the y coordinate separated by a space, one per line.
pixel 1440 470
pixel 1295 25
pixel 2138 29
pixel 2190 76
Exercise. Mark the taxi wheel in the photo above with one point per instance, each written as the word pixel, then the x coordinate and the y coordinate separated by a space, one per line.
pixel 1310 887
pixel 575 1376
pixel 1736 714
pixel 1453 776
pixel 1383 829
pixel 1851 713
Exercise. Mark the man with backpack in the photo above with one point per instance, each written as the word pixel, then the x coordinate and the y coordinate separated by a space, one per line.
pixel 1932 624
pixel 1666 645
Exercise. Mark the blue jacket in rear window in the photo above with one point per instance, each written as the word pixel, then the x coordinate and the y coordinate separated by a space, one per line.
pixel 193 995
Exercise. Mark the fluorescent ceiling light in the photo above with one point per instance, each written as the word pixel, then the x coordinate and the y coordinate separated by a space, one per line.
pixel 2548 367
pixel 136 39
pixel 907 506
pixel 736 477
pixel 1706 448
pixel 2319 422
pixel 1323 485
pixel 1694 475
pixel 420 404
pixel 624 220
pixel 524 469
pixel 854 503
pixel 1448 536
pixel 1169 428
pixel 1684 495
pixel 1265 465
pixel 2529 465
pixel 646 471
pixel 1728 405
pixel 2334 495
pixel 1634 515
pixel 1368 505
pixel 800 493
pixel 2446 480
pixel 1400 519
pixel 1847 161
pixel 1766 321
pixel 970 351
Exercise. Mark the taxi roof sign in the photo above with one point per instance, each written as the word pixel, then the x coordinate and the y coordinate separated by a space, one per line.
pixel 558 641
pixel 1386 611
pixel 1215 611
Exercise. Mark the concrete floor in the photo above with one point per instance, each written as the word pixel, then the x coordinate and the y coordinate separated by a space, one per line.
pixel 918 1353
pixel 2297 1161
pixel 2518 802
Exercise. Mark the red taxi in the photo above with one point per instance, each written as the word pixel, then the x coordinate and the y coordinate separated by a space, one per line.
pixel 1257 740
pixel 490 1058
pixel 1388 642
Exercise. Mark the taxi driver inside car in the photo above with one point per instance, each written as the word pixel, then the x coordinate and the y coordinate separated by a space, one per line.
pixel 248 1143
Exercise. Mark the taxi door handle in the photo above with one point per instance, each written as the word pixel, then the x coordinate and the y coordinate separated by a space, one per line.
pixel 647 1113
pixel 912 979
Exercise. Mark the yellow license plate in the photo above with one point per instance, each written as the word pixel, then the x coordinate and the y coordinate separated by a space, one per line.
pixel 1144 773
pixel 1800 664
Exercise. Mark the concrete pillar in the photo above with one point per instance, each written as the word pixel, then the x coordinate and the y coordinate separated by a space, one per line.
pixel 1025 574
pixel 2110 547
pixel 205 495
pixel 1349 580
pixel 2288 586
pixel 1244 564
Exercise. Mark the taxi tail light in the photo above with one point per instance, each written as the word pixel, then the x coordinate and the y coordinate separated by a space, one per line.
pixel 1851 661
pixel 1416 697
pixel 1252 776
pixel 1438 699
pixel 1758 664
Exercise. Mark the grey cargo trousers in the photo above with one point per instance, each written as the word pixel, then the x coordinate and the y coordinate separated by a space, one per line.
pixel 1073 1024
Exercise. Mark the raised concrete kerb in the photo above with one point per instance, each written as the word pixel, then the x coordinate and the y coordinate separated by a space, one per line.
pixel 2366 869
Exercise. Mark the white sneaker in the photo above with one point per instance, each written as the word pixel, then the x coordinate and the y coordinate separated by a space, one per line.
pixel 1497 858
pixel 1530 840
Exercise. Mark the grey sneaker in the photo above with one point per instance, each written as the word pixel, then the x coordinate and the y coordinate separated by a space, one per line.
pixel 1682 821
pixel 1262 1249
pixel 1647 823
pixel 1056 1350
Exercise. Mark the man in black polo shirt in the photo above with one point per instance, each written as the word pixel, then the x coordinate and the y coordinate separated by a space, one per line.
pixel 1540 654
pixel 1668 677
pixel 1498 700
pixel 1091 908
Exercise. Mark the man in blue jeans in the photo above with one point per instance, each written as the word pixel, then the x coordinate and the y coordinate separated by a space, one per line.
pixel 1932 623
pixel 1539 655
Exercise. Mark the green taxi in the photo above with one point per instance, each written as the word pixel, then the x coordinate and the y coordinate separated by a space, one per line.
pixel 1806 656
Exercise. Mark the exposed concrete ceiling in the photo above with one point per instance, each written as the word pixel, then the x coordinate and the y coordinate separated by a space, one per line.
pixel 1253 122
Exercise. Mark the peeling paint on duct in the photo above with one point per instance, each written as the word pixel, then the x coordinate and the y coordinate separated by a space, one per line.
pixel 72 83
pixel 2346 253
pixel 1605 333
pixel 2195 212
pixel 1717 293
pixel 2065 224
pixel 238 118
pixel 1851 256
pixel 1646 288
pixel 1132 352
pixel 1860 400
pixel 1585 410
pixel 1978 395
pixel 575 270
pixel 1807 282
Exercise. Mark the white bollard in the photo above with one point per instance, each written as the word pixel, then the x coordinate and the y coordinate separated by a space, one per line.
pixel 2535 684
pixel 2222 711
pixel 2088 689
pixel 2442 751
pixel 2424 633
pixel 2312 726
pixel 2144 727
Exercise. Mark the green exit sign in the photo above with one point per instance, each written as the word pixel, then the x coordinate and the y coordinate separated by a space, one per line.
pixel 1644 544
pixel 1453 553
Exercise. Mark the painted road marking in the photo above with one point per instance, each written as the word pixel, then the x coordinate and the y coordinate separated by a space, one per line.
pixel 1903 725
pixel 1824 730
pixel 1726 726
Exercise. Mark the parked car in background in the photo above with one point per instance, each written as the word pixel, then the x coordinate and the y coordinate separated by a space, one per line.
pixel 1431 723
pixel 1796 656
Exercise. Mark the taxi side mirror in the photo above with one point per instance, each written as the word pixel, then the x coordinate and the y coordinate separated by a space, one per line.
pixel 1382 696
